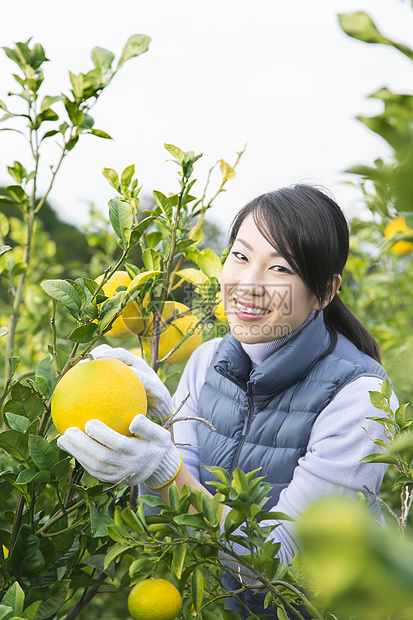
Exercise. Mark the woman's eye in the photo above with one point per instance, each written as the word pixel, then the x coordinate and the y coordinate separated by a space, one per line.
pixel 239 255
pixel 281 269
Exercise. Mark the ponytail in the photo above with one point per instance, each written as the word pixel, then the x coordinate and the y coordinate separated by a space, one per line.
pixel 338 318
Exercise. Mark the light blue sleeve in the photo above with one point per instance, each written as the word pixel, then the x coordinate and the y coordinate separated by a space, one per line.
pixel 189 388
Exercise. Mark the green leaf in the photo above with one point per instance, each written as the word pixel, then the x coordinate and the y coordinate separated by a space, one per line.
pixel 46 371
pixel 15 444
pixel 120 215
pixel 31 611
pixel 194 276
pixel 30 475
pixel 83 333
pixel 210 263
pixel 153 238
pixel 190 520
pixel 281 614
pixel 75 114
pixel 115 552
pixel 18 269
pixel 18 172
pixel 140 229
pixel 102 58
pixel 62 468
pixel 197 589
pixel 379 458
pixel 17 422
pixel 73 298
pixel 43 454
pixel 52 598
pixel 100 134
pixel 111 176
pixel 3 330
pixel 127 175
pixel 211 509
pixel 378 400
pixel 360 26
pixel 6 612
pixel 49 101
pixel 230 615
pixel 178 559
pixel 17 193
pixel 131 520
pixel 88 122
pixel 227 172
pixel 184 244
pixel 138 280
pixel 164 204
pixel 173 496
pixel 175 152
pixel 220 473
pixel 386 389
pixel 151 259
pixel 400 414
pixel 99 522
pixel 137 44
pixel 15 598
pixel 239 481
pixel 24 402
pixel 3 250
pixel 234 519
pixel 14 361
pixel 26 557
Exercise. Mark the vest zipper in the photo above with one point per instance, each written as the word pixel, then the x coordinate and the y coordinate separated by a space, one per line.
pixel 245 429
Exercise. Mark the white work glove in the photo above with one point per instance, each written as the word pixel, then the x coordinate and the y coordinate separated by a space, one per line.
pixel 112 457
pixel 157 394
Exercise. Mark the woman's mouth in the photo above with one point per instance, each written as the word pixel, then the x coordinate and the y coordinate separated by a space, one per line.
pixel 249 312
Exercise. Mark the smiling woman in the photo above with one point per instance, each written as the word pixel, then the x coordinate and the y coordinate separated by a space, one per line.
pixel 287 390
pixel 260 287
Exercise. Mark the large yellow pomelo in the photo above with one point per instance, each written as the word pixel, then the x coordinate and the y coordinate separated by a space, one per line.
pixel 397 226
pixel 174 332
pixel 154 599
pixel 105 389
pixel 130 322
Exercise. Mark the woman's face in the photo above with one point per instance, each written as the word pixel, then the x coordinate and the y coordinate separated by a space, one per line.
pixel 263 298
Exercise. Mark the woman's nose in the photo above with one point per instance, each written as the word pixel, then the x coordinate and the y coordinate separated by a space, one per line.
pixel 252 284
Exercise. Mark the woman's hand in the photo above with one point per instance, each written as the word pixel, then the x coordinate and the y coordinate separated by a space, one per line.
pixel 112 457
pixel 158 396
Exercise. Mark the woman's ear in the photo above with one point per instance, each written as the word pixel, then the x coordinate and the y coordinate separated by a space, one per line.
pixel 332 290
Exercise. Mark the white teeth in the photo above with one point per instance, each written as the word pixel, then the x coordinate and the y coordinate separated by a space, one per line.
pixel 248 310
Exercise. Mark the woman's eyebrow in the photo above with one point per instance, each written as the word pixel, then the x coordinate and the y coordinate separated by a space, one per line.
pixel 247 245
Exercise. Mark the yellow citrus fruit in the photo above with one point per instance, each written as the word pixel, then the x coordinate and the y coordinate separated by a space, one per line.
pixel 154 599
pixel 395 227
pixel 174 332
pixel 105 389
pixel 219 310
pixel 130 322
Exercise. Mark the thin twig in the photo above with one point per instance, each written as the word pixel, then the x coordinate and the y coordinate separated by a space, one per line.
pixel 192 417
pixel 383 503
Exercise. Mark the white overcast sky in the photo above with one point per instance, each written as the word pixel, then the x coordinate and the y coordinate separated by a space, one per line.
pixel 279 76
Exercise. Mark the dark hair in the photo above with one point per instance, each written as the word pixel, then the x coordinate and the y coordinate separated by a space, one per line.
pixel 308 228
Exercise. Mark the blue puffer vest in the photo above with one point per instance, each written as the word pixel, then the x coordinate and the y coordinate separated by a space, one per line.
pixel 263 417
